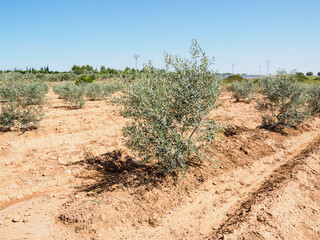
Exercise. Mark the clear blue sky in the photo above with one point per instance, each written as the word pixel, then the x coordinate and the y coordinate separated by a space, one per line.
pixel 247 33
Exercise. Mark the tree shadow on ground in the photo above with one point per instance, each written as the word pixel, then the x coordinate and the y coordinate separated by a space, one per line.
pixel 229 131
pixel 21 131
pixel 114 170
pixel 66 107
pixel 276 129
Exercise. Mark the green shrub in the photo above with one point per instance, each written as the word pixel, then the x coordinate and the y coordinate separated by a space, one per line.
pixel 68 76
pixel 233 78
pixel 242 90
pixel 309 74
pixel 71 93
pixel 169 110
pixel 301 77
pixel 284 102
pixel 22 103
pixel 314 99
pixel 84 79
pixel 318 73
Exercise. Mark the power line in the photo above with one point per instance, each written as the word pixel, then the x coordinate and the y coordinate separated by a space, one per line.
pixel 259 69
pixel 268 66
pixel 136 58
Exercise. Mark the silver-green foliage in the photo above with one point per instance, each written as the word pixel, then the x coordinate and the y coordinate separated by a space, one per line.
pixel 71 93
pixel 52 77
pixel 99 91
pixel 16 76
pixel 22 103
pixel 314 99
pixel 242 90
pixel 169 111
pixel 284 101
pixel 114 86
pixel 96 91
pixel 76 95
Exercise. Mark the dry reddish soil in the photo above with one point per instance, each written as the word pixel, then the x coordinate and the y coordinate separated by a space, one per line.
pixel 73 178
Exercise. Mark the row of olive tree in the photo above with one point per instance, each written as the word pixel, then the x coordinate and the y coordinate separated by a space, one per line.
pixel 77 72
pixel 286 101
pixel 169 109
pixel 77 93
pixel 22 103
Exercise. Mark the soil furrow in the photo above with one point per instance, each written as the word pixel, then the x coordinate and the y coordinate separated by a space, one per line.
pixel 44 196
pixel 275 180
pixel 213 202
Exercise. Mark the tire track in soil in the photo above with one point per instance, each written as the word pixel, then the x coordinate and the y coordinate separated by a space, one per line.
pixel 279 177
pixel 203 209
pixel 58 140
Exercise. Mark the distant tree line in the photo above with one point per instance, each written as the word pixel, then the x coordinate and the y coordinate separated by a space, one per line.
pixel 79 70
pixel 104 72
pixel 31 70
pixel 76 72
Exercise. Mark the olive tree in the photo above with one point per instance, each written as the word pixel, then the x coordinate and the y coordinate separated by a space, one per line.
pixel 169 111
pixel 22 103
pixel 284 101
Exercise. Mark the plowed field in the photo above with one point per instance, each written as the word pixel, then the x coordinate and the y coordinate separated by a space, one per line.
pixel 73 178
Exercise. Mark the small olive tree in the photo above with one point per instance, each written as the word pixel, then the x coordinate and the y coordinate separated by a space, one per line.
pixel 96 91
pixel 22 103
pixel 169 111
pixel 71 93
pixel 314 99
pixel 242 90
pixel 284 101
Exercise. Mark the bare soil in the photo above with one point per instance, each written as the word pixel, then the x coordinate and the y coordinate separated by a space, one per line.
pixel 74 178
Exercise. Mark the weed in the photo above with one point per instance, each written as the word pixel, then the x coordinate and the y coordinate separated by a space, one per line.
pixel 96 201
pixel 233 78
